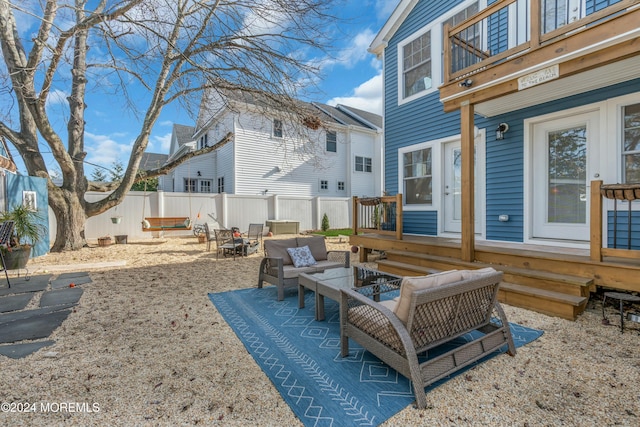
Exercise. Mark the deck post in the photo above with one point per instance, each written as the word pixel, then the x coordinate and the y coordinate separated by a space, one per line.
pixel 399 216
pixel 468 186
pixel 355 214
pixel 596 222
pixel 536 23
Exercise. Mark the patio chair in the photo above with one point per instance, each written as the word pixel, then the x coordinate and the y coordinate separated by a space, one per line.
pixel 254 238
pixel 227 244
pixel 209 236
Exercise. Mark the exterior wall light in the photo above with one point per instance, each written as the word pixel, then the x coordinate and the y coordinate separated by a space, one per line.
pixel 501 130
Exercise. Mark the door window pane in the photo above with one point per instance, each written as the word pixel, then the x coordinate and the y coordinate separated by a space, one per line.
pixel 567 197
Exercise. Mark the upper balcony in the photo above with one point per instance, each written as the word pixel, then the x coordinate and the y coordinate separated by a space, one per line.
pixel 534 51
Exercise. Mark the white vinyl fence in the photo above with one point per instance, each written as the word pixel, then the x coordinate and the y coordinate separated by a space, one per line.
pixel 219 210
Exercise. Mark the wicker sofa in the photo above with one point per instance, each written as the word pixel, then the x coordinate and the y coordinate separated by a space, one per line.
pixel 277 266
pixel 430 311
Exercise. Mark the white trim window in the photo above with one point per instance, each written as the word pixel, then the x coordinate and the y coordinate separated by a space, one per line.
pixel 205 185
pixel 204 141
pixel 631 143
pixel 418 176
pixel 341 186
pixel 190 185
pixel 416 65
pixel 331 141
pixel 324 185
pixel 221 184
pixel 363 164
pixel 277 128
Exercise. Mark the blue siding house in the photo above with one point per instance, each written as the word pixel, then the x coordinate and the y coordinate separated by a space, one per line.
pixel 544 96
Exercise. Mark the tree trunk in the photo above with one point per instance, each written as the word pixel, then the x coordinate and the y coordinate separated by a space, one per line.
pixel 69 210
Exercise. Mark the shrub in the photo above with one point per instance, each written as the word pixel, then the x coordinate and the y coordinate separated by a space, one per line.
pixel 325 222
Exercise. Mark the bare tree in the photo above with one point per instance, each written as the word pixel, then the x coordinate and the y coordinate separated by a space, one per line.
pixel 176 49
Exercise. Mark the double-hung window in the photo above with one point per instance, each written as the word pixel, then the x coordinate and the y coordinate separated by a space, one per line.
pixel 631 143
pixel 332 141
pixel 416 65
pixel 221 184
pixel 363 164
pixel 417 175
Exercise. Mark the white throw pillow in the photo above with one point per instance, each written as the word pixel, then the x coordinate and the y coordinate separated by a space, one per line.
pixel 301 256
pixel 411 284
pixel 146 224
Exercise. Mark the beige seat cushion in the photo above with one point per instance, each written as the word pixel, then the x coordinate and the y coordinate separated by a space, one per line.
pixel 278 249
pixel 474 274
pixel 316 245
pixel 411 284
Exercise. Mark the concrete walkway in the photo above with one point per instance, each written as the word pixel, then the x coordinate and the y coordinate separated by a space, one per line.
pixel 33 308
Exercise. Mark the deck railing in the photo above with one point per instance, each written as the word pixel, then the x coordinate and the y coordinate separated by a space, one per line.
pixel 624 194
pixel 508 28
pixel 378 215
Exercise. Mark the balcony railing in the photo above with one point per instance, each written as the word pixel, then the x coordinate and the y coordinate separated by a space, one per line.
pixel 378 215
pixel 509 28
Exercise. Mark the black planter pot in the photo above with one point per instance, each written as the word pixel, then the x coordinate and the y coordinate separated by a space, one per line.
pixel 17 258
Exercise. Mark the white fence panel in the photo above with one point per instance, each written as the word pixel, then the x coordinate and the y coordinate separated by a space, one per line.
pixel 245 210
pixel 338 211
pixel 220 210
pixel 297 209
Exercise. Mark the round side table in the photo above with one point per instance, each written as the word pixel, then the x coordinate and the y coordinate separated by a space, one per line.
pixel 622 297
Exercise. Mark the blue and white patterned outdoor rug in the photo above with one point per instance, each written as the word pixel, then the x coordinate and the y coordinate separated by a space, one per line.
pixel 301 356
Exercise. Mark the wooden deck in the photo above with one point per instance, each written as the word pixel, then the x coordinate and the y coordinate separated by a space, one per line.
pixel 556 281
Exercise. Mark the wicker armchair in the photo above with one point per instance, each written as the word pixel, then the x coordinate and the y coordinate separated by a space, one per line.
pixel 424 317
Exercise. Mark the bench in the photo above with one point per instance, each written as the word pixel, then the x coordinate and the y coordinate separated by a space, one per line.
pixel 430 311
pixel 277 266
pixel 166 223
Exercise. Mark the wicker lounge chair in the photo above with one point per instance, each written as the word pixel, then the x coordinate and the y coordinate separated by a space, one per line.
pixel 430 311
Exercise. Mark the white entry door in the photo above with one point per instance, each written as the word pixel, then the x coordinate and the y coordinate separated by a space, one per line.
pixel 564 158
pixel 452 191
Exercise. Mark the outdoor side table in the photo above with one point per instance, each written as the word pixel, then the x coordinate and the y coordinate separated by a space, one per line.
pixel 622 297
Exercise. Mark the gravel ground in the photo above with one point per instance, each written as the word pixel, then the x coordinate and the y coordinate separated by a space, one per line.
pixel 145 346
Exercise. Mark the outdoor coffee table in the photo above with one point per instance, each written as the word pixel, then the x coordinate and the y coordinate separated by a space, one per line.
pixel 330 282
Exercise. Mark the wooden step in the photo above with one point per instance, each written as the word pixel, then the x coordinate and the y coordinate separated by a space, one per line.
pixel 542 301
pixel 404 269
pixel 564 283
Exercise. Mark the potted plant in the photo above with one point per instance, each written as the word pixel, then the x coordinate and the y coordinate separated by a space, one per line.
pixel 27 231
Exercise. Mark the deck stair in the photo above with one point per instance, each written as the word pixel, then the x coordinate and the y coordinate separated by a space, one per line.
pixel 546 292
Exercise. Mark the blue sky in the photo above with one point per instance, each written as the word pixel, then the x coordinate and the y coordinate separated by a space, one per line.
pixel 352 76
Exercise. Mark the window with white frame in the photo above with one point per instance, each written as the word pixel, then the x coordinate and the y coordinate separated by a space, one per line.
pixel 340 185
pixel 205 186
pixel 417 176
pixel 189 185
pixel 363 164
pixel 221 184
pixel 332 141
pixel 416 65
pixel 277 128
pixel 204 141
pixel 324 185
pixel 631 143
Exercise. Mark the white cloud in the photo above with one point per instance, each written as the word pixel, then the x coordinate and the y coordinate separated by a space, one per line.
pixel 349 56
pixel 57 96
pixel 160 144
pixel 103 150
pixel 367 96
